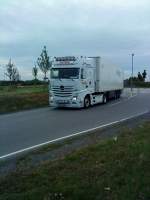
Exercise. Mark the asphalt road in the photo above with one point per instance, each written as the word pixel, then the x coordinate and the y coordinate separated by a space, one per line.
pixel 26 129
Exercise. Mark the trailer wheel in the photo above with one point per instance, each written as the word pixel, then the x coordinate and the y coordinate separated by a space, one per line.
pixel 87 102
pixel 118 93
pixel 104 99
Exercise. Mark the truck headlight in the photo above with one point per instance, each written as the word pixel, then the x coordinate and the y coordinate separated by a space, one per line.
pixel 74 99
pixel 51 98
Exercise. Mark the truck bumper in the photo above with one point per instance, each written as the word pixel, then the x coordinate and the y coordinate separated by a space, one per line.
pixel 65 103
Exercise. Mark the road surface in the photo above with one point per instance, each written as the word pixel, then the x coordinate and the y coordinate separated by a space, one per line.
pixel 25 129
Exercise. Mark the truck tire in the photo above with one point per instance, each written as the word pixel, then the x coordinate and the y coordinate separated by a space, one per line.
pixel 104 99
pixel 87 102
pixel 118 94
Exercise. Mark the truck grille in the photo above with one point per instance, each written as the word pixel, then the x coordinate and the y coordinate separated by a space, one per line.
pixel 63 91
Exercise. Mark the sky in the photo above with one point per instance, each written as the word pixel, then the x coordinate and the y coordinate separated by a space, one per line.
pixel 108 28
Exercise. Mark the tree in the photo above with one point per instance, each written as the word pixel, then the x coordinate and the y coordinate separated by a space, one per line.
pixel 44 62
pixel 12 72
pixel 15 75
pixel 35 72
pixel 144 74
pixel 9 69
pixel 140 77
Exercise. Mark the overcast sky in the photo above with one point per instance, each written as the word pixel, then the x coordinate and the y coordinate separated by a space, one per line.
pixel 109 28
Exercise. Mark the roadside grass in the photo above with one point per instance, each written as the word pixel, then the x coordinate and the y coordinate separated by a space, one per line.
pixel 23 97
pixel 114 169
pixel 14 90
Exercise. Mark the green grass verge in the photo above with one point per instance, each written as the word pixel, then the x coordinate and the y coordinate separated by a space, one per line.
pixel 115 169
pixel 14 90
pixel 20 98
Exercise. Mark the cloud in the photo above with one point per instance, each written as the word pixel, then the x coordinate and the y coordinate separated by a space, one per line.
pixel 114 29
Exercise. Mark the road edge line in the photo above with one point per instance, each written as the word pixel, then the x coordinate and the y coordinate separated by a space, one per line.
pixel 69 136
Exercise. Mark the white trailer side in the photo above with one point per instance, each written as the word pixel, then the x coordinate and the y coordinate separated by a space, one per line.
pixel 109 77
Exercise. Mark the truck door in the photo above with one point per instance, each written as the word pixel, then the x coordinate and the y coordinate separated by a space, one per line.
pixel 90 78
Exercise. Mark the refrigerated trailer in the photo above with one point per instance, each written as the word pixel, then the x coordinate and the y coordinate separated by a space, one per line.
pixel 83 81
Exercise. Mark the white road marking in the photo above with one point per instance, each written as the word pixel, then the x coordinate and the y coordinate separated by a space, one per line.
pixel 69 136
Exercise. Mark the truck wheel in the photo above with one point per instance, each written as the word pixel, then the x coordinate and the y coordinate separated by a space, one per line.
pixel 86 102
pixel 116 95
pixel 104 99
pixel 119 94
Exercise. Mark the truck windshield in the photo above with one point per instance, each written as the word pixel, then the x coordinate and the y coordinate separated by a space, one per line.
pixel 65 73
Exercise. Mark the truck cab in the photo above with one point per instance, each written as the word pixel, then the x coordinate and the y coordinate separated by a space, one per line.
pixel 71 80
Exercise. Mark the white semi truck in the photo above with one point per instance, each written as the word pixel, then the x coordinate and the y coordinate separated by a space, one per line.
pixel 83 81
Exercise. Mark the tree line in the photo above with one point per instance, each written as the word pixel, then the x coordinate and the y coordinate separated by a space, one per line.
pixel 138 80
pixel 43 63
